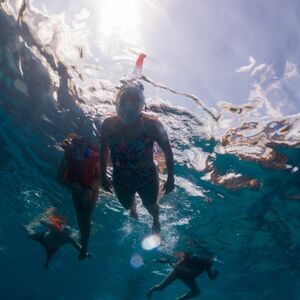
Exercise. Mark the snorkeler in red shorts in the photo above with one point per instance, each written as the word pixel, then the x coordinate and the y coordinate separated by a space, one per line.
pixel 79 170
pixel 130 137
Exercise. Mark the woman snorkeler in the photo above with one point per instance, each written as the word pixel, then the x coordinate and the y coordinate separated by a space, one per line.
pixel 130 137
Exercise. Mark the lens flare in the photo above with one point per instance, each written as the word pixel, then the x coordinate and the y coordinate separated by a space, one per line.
pixel 151 242
pixel 136 261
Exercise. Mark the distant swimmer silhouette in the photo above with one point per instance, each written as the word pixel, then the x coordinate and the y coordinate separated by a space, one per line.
pixel 186 267
pixel 130 137
pixel 56 234
pixel 79 170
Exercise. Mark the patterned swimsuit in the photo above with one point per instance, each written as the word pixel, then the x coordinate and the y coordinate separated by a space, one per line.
pixel 133 165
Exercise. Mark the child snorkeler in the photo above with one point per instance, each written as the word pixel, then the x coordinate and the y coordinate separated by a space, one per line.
pixel 56 234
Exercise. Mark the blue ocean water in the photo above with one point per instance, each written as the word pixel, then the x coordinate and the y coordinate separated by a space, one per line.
pixel 253 233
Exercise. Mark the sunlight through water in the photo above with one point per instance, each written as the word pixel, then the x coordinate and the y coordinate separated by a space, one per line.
pixel 120 19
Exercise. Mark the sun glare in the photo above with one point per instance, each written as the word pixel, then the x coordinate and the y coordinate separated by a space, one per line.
pixel 121 18
pixel 151 242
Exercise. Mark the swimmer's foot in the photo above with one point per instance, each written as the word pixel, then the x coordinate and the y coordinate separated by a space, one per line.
pixel 149 294
pixel 214 274
pixel 82 255
pixel 156 228
pixel 133 212
pixel 189 295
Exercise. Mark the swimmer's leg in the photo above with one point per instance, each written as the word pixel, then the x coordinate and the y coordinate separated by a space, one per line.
pixel 127 199
pixel 49 256
pixel 133 211
pixel 84 209
pixel 149 196
pixel 76 195
pixel 39 237
pixel 171 277
pixel 79 208
pixel 194 289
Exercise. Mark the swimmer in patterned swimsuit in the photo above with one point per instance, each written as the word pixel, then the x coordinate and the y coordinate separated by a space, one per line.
pixel 130 137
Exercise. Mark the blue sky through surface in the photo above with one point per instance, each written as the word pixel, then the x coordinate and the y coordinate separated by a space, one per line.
pixel 194 46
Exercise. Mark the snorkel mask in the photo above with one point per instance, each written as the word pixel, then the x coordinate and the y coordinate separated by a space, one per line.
pixel 130 102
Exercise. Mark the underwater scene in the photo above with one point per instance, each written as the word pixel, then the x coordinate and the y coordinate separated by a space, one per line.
pixel 198 197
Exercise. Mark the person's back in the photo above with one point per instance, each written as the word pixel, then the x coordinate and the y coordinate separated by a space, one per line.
pixel 195 264
pixel 54 239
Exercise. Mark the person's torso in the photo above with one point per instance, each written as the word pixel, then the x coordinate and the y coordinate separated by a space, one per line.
pixel 54 239
pixel 197 263
pixel 133 154
pixel 83 169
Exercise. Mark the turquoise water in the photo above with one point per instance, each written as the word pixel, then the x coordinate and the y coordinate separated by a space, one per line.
pixel 253 233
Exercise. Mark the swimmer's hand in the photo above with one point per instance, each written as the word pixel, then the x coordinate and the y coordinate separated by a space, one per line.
pixel 106 185
pixel 169 185
pixel 162 260
pixel 85 255
pixel 214 274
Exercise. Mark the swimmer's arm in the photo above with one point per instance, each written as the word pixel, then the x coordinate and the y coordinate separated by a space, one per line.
pixel 103 149
pixel 164 260
pixel 104 155
pixel 61 171
pixel 47 224
pixel 180 265
pixel 212 275
pixel 161 137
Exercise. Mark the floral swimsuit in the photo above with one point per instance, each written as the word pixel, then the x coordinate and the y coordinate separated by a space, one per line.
pixel 133 165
